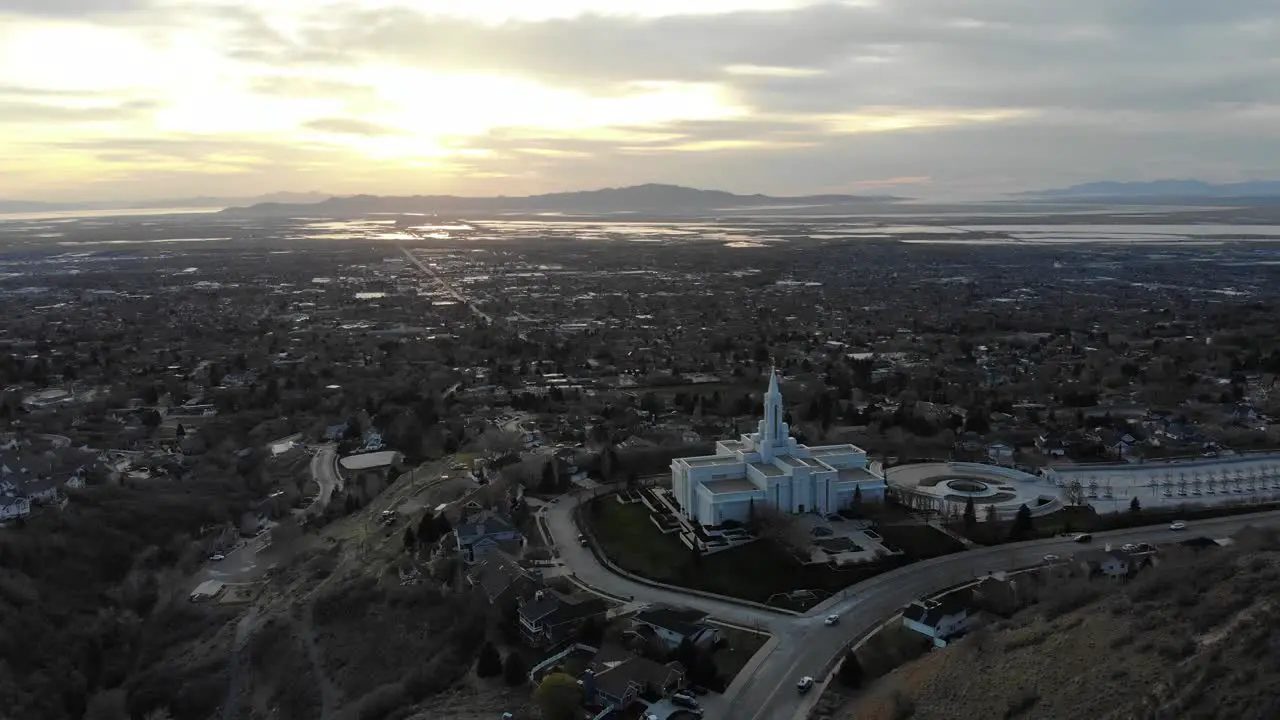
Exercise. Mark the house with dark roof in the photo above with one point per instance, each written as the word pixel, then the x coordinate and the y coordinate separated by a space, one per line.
pixel 498 576
pixel 616 679
pixel 14 469
pixel 1003 594
pixel 941 618
pixel 1108 563
pixel 548 619
pixel 12 508
pixel 40 490
pixel 672 626
pixel 485 533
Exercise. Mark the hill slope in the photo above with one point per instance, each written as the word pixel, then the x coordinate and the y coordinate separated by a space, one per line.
pixel 1196 637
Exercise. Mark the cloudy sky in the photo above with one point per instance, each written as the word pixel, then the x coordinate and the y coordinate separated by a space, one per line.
pixel 131 99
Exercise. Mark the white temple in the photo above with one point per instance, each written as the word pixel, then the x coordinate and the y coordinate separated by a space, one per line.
pixel 770 468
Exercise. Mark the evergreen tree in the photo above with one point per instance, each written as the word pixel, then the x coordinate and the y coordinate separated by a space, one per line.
pixel 489 663
pixel 1135 507
pixel 992 515
pixel 428 532
pixel 970 515
pixel 443 526
pixel 513 672
pixel 1022 526
pixel 409 539
pixel 548 483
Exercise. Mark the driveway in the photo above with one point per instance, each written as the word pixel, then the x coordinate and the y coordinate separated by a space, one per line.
pixel 802 644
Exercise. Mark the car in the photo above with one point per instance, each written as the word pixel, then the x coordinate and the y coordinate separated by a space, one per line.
pixel 1083 538
pixel 1129 547
pixel 1177 525
pixel 805 684
pixel 684 700
pixel 216 557
pixel 832 620
pixel 1051 558
pixel 1145 547
pixel 582 540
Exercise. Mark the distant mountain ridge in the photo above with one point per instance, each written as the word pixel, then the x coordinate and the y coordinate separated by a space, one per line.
pixel 651 198
pixel 32 206
pixel 1181 189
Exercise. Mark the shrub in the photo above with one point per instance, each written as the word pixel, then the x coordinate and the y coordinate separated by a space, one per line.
pixel 1021 703
pixel 903 706
pixel 513 670
pixel 489 663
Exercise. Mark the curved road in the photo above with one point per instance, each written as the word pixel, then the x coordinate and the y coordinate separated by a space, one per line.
pixel 804 646
pixel 324 469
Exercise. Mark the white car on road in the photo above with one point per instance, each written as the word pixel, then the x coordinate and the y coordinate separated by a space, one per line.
pixel 217 557
pixel 1177 525
pixel 805 684
pixel 831 620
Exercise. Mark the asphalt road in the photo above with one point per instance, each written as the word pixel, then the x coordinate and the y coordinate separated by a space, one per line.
pixel 324 469
pixel 804 645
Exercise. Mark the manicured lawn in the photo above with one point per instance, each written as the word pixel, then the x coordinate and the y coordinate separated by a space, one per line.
pixel 919 542
pixel 739 646
pixel 755 571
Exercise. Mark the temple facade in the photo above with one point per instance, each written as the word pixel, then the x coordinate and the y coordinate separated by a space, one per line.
pixel 768 467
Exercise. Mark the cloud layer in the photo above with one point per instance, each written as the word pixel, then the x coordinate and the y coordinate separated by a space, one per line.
pixel 966 97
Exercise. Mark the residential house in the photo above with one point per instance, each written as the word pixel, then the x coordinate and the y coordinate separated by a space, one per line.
pixel 40 490
pixel 617 678
pixel 1122 446
pixel 13 468
pixel 12 508
pixel 969 441
pixel 1052 444
pixel 499 576
pixel 1004 594
pixel 485 533
pixel 672 626
pixel 1108 563
pixel 940 618
pixel 548 620
pixel 1000 453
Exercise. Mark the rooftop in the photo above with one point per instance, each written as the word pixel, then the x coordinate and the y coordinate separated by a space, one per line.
pixel 834 450
pixel 769 469
pixel 369 461
pixel 855 475
pixel 731 485
pixel 706 460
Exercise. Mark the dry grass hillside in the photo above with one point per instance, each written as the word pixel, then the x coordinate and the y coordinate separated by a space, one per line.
pixel 1196 637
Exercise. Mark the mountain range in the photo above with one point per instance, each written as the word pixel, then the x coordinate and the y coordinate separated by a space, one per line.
pixel 650 199
pixel 1160 189
pixel 31 206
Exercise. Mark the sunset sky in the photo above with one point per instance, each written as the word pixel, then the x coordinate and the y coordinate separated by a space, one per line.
pixel 141 99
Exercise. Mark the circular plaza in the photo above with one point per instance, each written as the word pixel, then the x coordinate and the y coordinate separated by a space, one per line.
pixel 946 487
